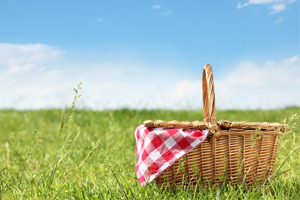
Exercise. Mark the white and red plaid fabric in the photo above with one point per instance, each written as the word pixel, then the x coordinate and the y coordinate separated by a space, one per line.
pixel 158 149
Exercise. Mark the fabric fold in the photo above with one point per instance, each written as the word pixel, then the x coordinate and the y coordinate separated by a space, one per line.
pixel 158 148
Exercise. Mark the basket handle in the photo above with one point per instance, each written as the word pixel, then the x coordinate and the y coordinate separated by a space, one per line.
pixel 209 107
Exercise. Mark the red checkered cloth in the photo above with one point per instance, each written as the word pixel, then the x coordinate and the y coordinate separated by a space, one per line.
pixel 158 149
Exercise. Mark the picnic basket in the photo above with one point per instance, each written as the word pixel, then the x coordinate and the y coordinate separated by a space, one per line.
pixel 235 152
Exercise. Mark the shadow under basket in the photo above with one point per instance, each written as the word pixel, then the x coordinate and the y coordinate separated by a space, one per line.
pixel 234 152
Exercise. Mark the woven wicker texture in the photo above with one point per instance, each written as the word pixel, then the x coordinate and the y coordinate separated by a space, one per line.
pixel 235 152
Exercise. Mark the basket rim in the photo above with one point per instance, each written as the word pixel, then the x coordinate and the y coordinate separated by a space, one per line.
pixel 223 124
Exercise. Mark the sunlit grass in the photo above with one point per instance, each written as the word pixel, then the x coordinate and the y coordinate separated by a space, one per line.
pixel 63 159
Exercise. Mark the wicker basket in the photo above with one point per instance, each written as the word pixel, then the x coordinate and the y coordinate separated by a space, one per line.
pixel 235 152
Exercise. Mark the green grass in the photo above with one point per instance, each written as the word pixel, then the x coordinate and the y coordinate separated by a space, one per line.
pixel 106 170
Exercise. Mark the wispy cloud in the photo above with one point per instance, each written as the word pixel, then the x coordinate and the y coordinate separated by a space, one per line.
pixel 247 86
pixel 156 7
pixel 19 54
pixel 279 20
pixel 27 81
pixel 99 19
pixel 241 5
pixel 167 13
pixel 264 86
pixel 277 8
pixel 277 5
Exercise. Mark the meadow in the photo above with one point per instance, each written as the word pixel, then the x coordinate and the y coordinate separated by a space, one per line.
pixel 85 154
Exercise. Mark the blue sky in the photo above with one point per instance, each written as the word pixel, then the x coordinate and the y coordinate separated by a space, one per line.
pixel 149 54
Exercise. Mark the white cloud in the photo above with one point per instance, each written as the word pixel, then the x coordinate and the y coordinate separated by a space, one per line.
pixel 292 61
pixel 262 1
pixel 277 8
pixel 133 86
pixel 99 19
pixel 241 5
pixel 271 85
pixel 279 20
pixel 24 80
pixel 268 1
pixel 277 5
pixel 156 7
pixel 18 54
pixel 249 86
pixel 27 81
pixel 159 7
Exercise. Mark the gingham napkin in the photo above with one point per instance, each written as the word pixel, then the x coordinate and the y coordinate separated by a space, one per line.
pixel 158 148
